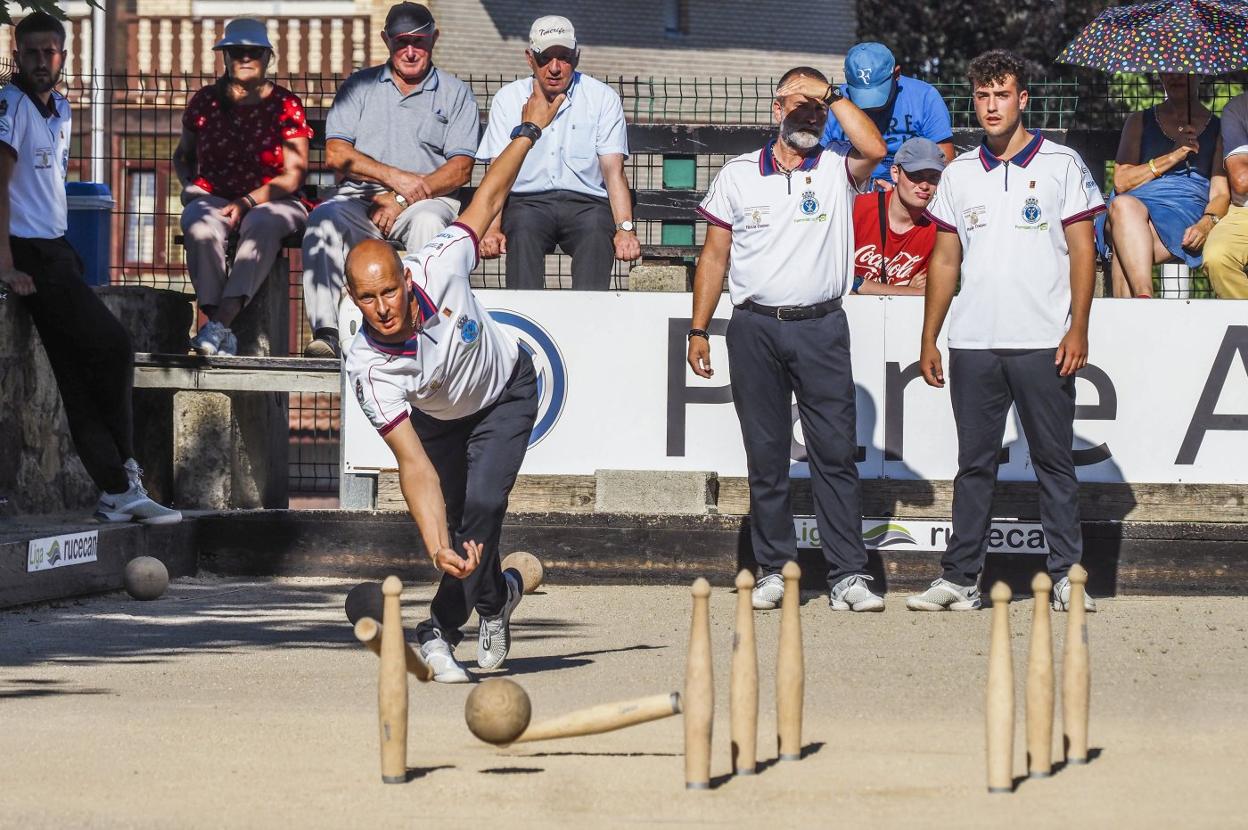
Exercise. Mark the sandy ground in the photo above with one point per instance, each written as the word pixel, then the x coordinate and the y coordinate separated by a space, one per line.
pixel 246 703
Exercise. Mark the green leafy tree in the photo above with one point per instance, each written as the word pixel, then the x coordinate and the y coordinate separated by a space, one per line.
pixel 29 6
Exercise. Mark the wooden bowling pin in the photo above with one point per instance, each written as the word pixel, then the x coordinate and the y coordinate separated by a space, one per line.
pixel 699 700
pixel 392 686
pixel 743 686
pixel 790 668
pixel 1040 683
pixel 1000 698
pixel 1075 673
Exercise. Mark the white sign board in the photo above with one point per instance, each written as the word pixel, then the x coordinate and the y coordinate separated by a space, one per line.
pixel 61 551
pixel 925 535
pixel 1164 398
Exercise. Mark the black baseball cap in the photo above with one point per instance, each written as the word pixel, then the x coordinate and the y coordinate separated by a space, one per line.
pixel 409 19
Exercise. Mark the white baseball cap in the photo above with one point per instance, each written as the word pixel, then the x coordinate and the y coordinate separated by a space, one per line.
pixel 551 30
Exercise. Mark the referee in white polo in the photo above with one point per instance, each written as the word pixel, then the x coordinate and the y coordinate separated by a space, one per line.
pixel 780 220
pixel 1014 218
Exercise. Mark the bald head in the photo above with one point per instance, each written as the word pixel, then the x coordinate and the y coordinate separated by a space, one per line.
pixel 378 287
pixel 373 259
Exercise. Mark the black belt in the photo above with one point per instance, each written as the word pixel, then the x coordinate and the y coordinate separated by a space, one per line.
pixel 793 312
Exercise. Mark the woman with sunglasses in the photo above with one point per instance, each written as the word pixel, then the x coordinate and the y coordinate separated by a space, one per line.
pixel 242 160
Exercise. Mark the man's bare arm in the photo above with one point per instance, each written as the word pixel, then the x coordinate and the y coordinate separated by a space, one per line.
pixel 20 282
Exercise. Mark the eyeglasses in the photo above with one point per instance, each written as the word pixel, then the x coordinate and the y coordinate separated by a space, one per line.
pixel 543 58
pixel 243 53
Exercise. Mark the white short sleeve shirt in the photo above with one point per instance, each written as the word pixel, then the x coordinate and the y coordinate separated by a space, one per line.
pixel 39 140
pixel 792 235
pixel 589 124
pixel 460 360
pixel 1011 219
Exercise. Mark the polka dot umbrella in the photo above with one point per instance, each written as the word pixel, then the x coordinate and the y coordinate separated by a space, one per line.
pixel 1201 37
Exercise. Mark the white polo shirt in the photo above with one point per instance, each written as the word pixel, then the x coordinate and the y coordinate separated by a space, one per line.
pixel 39 139
pixel 1011 218
pixel 589 124
pixel 460 360
pixel 792 236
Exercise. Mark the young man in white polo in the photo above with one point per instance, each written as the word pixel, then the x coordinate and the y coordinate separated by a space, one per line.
pixel 455 399
pixel 780 221
pixel 1014 218
pixel 88 348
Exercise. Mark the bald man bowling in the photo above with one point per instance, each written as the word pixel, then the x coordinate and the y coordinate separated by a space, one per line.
pixel 455 400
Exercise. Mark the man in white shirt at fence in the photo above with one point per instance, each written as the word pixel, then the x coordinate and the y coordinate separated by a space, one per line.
pixel 455 399
pixel 87 346
pixel 783 217
pixel 1014 220
pixel 572 190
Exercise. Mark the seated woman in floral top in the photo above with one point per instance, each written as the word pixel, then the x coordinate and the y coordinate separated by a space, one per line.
pixel 242 160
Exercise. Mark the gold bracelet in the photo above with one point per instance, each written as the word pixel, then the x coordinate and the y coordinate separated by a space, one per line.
pixel 1152 166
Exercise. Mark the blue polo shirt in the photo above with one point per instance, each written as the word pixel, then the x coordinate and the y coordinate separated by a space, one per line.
pixel 916 109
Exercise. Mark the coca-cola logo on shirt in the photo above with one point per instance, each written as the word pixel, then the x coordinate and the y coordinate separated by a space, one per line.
pixel 902 266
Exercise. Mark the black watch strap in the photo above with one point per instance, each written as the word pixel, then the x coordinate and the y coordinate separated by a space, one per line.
pixel 529 130
pixel 703 333
pixel 832 95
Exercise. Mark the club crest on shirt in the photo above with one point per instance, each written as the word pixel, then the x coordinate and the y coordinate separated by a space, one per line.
pixel 757 217
pixel 1031 211
pixel 976 217
pixel 810 203
pixel 469 330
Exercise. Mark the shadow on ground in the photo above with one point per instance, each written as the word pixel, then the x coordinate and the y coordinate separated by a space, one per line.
pixel 193 616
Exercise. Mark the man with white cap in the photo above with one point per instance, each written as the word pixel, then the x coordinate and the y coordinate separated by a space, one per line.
pixel 401 137
pixel 900 106
pixel 572 190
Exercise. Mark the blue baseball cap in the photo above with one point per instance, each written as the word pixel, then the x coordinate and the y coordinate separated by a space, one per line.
pixel 869 74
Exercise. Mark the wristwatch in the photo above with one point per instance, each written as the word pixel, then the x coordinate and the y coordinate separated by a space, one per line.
pixel 703 333
pixel 832 95
pixel 627 226
pixel 529 130
pixel 401 199
pixel 1214 217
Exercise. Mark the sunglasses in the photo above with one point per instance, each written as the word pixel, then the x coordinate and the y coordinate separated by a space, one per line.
pixel 543 58
pixel 240 53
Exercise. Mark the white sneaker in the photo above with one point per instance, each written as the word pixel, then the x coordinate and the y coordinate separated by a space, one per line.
pixel 768 592
pixel 852 594
pixel 944 595
pixel 134 504
pixel 211 338
pixel 446 669
pixel 494 633
pixel 1061 597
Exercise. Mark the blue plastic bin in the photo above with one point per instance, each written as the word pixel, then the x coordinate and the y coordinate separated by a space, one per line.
pixel 90 227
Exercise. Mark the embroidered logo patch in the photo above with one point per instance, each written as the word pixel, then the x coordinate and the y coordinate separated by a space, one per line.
pixel 1031 211
pixel 810 203
pixel 469 330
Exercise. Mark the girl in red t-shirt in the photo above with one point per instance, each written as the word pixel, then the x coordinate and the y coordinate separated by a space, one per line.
pixel 242 160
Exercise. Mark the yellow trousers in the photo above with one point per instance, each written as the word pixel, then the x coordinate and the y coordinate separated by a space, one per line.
pixel 1226 255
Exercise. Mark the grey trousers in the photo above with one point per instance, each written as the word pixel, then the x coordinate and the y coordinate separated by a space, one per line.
pixel 335 226
pixel 580 225
pixel 477 459
pixel 770 360
pixel 260 236
pixel 982 385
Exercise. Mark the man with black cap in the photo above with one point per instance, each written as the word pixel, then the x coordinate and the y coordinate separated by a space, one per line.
pixel 572 190
pixel 901 107
pixel 401 137
pixel 893 239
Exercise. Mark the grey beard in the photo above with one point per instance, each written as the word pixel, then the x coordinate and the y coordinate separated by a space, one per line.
pixel 798 138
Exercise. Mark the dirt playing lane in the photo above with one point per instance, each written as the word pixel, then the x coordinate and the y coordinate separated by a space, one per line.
pixel 246 703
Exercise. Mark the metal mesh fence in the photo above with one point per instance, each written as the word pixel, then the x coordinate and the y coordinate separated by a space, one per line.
pixel 126 127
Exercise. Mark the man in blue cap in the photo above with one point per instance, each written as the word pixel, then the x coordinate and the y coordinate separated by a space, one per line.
pixel 901 107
